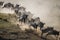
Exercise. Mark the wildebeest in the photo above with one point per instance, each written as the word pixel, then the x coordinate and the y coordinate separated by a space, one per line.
pixel 31 21
pixel 16 8
pixel 54 32
pixel 41 25
pixel 33 24
pixel 22 8
pixel 16 11
pixel 1 3
pixel 46 30
pixel 30 14
pixel 24 18
pixel 37 20
pixel 8 5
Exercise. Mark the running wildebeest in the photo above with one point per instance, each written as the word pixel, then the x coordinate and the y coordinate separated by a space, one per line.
pixel 30 15
pixel 19 14
pixel 31 21
pixel 37 20
pixel 54 32
pixel 33 24
pixel 22 11
pixel 8 5
pixel 16 11
pixel 1 3
pixel 24 18
pixel 41 25
pixel 46 30
pixel 22 8
pixel 16 8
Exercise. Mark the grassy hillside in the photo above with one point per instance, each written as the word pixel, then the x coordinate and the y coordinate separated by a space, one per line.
pixel 8 17
pixel 4 15
pixel 6 27
pixel 10 31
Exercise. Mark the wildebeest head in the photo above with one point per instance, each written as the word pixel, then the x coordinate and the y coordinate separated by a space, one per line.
pixel 37 20
pixel 22 8
pixel 8 5
pixel 1 3
pixel 16 11
pixel 17 7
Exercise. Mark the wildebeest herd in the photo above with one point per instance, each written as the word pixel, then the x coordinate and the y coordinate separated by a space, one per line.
pixel 23 16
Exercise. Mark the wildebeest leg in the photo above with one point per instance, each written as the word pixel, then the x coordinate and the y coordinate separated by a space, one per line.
pixel 43 37
pixel 20 20
pixel 29 27
pixel 50 33
pixel 24 20
pixel 57 37
pixel 42 34
pixel 40 28
pixel 47 34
